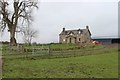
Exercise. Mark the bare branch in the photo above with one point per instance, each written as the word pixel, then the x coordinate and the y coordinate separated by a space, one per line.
pixel 21 11
pixel 28 34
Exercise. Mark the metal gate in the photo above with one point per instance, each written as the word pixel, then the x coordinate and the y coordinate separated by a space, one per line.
pixel 40 50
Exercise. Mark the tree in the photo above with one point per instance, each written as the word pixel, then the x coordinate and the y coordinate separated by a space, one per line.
pixel 28 34
pixel 15 14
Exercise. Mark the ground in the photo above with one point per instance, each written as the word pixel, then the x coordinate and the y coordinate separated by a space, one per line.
pixel 101 62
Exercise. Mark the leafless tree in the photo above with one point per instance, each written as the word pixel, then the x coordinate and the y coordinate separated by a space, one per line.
pixel 14 14
pixel 29 34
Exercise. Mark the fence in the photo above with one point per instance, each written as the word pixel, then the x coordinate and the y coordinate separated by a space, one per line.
pixel 27 51
pixel 41 50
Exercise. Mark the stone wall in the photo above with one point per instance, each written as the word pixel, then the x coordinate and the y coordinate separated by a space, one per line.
pixel 83 38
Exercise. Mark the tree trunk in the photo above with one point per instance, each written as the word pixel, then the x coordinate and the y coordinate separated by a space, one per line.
pixel 30 41
pixel 12 38
pixel 13 41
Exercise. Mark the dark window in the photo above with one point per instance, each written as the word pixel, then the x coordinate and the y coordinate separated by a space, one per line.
pixel 75 39
pixel 70 40
pixel 79 39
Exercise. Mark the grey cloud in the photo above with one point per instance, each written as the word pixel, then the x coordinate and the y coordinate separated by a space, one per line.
pixel 53 16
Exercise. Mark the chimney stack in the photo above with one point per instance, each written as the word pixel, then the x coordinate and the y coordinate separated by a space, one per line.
pixel 87 27
pixel 63 29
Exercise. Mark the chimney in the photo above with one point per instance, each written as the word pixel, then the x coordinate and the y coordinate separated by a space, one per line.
pixel 87 27
pixel 63 29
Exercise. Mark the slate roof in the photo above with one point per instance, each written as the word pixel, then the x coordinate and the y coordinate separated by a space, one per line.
pixel 67 32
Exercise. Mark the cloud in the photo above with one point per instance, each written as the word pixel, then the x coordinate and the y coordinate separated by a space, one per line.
pixel 53 16
pixel 102 17
pixel 79 0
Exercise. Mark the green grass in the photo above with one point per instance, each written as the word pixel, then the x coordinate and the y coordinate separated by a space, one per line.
pixel 97 64
pixel 6 49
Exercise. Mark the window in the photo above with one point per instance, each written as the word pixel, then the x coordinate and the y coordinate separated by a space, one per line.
pixel 64 40
pixel 70 40
pixel 79 39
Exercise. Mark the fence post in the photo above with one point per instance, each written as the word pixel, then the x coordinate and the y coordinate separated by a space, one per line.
pixel 18 48
pixel 49 49
pixel 33 51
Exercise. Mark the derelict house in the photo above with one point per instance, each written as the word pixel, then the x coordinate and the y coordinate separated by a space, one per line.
pixel 82 36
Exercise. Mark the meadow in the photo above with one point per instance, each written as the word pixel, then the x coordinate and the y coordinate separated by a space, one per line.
pixel 6 49
pixel 101 62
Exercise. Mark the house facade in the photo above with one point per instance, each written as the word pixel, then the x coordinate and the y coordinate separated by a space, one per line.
pixel 81 36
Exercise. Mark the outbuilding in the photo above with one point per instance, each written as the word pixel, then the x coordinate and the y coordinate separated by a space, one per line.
pixel 107 40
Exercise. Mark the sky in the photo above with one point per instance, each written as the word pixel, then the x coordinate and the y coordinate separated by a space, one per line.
pixel 100 15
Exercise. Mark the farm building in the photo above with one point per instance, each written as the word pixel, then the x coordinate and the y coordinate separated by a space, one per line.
pixel 107 40
pixel 81 36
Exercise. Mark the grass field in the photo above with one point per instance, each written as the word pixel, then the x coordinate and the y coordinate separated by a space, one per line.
pixel 6 49
pixel 97 64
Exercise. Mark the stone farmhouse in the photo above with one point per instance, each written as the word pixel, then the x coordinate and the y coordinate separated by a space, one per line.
pixel 79 36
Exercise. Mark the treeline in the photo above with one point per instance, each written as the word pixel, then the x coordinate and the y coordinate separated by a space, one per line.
pixel 4 42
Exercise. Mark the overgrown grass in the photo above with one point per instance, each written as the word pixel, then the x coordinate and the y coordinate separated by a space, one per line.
pixel 6 49
pixel 102 65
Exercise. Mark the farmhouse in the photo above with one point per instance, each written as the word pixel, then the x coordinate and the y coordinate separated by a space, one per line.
pixel 81 36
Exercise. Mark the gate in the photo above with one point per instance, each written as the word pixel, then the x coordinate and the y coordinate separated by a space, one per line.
pixel 40 50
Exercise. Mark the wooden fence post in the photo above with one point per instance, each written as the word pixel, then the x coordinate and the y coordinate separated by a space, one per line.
pixel 49 49
pixel 33 51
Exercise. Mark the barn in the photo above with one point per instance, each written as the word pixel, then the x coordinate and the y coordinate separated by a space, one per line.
pixel 107 40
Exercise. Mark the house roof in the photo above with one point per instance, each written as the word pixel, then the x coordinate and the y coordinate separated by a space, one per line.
pixel 67 32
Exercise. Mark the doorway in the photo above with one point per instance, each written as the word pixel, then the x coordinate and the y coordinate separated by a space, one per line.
pixel 70 40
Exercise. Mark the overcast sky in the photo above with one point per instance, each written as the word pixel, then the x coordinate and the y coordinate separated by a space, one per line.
pixel 101 17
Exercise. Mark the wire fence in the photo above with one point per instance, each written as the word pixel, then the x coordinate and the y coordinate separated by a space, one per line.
pixel 41 50
pixel 21 51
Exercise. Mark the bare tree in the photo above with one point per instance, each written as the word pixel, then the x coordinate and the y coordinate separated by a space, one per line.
pixel 28 34
pixel 14 14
